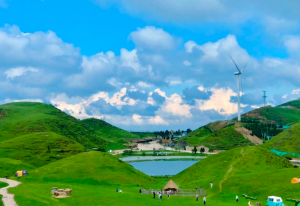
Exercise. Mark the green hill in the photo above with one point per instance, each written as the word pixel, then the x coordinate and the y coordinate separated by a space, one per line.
pixel 250 170
pixel 29 117
pixel 90 168
pixel 287 141
pixel 40 148
pixel 8 167
pixel 114 135
pixel 222 139
pixel 285 114
pixel 93 177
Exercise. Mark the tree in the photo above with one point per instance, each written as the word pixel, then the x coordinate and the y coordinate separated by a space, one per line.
pixel 194 150
pixel 188 130
pixel 202 150
pixel 210 150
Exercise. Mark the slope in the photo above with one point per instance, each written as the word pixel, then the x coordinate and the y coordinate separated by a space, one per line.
pixel 287 141
pixel 29 117
pixel 40 148
pixel 8 167
pixel 250 170
pixel 93 176
pixel 222 139
pixel 285 114
pixel 114 135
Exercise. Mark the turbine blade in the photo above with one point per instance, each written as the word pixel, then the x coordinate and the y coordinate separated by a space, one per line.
pixel 235 64
pixel 244 67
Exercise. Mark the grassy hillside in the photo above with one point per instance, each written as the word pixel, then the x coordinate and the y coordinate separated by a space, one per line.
pixel 285 114
pixel 226 138
pixel 288 140
pixel 250 170
pixel 8 167
pixel 40 148
pixel 23 118
pixel 108 132
pixel 93 176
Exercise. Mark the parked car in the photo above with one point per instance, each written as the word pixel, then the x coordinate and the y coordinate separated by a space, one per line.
pixel 274 201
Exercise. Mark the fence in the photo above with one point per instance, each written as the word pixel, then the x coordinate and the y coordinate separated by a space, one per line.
pixel 180 192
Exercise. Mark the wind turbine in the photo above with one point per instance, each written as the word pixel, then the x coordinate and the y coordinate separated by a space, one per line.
pixel 238 73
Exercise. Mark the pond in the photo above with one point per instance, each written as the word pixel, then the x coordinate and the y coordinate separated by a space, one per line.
pixel 161 168
pixel 145 158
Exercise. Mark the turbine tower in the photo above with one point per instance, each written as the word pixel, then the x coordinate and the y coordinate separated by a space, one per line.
pixel 238 73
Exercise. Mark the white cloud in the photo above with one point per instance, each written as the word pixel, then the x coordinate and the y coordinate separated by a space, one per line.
pixel 292 43
pixel 219 101
pixel 157 120
pixel 19 71
pixel 152 38
pixel 187 63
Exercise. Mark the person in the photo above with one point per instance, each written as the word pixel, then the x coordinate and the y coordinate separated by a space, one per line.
pixel 237 198
pixel 200 190
pixel 168 195
pixel 153 195
pixel 117 190
pixel 196 189
pixel 197 197
pixel 159 197
pixel 140 191
pixel 204 200
pixel 211 185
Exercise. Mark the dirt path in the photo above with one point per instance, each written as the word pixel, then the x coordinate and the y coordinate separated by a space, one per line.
pixel 8 199
pixel 230 170
pixel 247 133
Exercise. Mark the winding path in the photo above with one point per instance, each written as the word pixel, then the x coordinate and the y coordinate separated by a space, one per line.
pixel 230 169
pixel 8 199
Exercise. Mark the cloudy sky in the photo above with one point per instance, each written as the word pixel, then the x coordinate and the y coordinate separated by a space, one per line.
pixel 151 64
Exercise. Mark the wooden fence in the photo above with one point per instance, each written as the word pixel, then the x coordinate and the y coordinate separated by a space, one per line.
pixel 180 192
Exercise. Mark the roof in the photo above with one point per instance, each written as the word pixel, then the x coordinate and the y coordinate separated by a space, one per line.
pixel 171 185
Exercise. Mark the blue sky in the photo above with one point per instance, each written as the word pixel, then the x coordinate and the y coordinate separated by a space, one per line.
pixel 149 65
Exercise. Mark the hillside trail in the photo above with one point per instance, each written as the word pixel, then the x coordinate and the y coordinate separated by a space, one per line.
pixel 230 169
pixel 247 134
pixel 8 199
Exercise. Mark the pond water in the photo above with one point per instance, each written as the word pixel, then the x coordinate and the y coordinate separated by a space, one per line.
pixel 139 158
pixel 161 168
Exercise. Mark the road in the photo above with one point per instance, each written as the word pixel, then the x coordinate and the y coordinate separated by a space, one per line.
pixel 8 199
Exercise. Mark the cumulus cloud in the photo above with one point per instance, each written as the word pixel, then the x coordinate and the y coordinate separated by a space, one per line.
pixel 18 71
pixel 152 38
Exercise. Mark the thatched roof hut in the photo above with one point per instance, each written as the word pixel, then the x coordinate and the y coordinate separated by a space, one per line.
pixel 171 186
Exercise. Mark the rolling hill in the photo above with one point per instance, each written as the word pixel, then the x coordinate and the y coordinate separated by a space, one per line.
pixel 287 141
pixel 23 118
pixel 284 114
pixel 249 170
pixel 40 148
pixel 216 135
pixel 114 135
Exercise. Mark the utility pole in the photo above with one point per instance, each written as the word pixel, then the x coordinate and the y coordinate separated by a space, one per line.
pixel 265 98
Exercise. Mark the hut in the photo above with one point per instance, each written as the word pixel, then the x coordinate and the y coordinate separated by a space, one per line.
pixel 171 187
